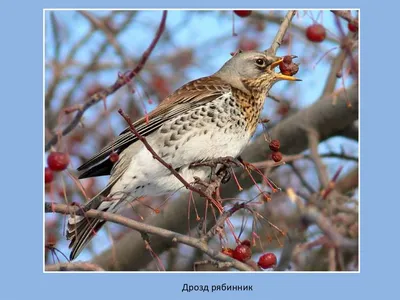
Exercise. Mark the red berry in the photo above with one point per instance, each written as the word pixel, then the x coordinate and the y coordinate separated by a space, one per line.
pixel 114 157
pixel 242 252
pixel 287 66
pixel 243 13
pixel 48 175
pixel 276 156
pixel 58 161
pixel 227 251
pixel 267 260
pixel 246 243
pixel 353 27
pixel 316 33
pixel 274 145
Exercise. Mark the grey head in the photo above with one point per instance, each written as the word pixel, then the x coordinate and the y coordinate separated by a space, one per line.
pixel 251 65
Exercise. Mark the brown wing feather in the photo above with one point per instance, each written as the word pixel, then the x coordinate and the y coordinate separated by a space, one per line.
pixel 190 95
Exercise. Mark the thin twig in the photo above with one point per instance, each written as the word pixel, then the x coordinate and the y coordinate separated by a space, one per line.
pixel 301 178
pixel 221 220
pixel 281 33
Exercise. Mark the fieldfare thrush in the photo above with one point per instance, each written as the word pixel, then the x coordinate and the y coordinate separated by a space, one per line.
pixel 208 118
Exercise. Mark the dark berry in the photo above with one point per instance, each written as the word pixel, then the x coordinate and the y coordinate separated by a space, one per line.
pixel 288 69
pixel 58 161
pixel 267 260
pixel 242 13
pixel 316 33
pixel 274 145
pixel 48 175
pixel 353 27
pixel 242 252
pixel 276 156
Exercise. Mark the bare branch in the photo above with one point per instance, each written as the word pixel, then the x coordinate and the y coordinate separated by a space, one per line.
pixel 145 228
pixel 312 215
pixel 221 220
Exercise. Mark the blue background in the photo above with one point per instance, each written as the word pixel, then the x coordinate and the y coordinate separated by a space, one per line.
pixel 22 180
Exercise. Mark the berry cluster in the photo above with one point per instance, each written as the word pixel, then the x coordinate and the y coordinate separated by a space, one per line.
pixel 243 253
pixel 56 161
pixel 276 155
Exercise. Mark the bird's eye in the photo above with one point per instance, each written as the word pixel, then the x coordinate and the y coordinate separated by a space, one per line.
pixel 260 62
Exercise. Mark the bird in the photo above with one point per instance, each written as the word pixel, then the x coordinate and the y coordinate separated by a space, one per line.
pixel 207 118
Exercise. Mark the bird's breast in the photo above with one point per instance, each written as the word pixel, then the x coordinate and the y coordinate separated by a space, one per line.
pixel 213 130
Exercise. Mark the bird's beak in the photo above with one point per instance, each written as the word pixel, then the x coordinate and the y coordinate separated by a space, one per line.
pixel 279 76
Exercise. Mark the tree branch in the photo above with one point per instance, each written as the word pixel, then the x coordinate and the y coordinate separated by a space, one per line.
pixel 312 215
pixel 146 228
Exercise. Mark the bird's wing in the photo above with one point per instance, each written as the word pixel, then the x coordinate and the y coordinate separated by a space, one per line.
pixel 192 94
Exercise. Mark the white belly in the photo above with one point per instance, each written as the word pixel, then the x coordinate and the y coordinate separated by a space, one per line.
pixel 180 142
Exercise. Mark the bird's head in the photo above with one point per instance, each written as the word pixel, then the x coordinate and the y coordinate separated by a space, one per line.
pixel 254 67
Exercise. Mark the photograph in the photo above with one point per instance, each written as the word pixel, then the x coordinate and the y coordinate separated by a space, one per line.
pixel 201 141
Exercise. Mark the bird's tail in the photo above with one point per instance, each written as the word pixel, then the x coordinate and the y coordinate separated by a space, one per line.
pixel 81 229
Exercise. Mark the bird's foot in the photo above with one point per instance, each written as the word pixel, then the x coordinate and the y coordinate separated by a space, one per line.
pixel 227 162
